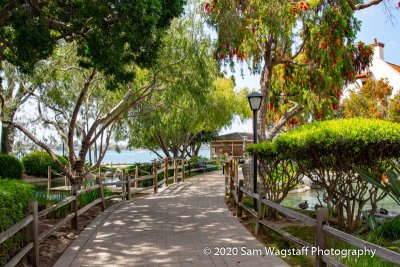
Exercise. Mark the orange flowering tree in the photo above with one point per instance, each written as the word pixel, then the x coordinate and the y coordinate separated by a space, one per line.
pixel 304 51
pixel 373 100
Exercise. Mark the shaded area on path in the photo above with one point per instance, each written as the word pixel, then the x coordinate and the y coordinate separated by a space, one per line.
pixel 169 229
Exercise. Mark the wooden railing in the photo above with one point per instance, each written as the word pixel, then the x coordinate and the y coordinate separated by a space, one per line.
pixel 127 181
pixel 235 188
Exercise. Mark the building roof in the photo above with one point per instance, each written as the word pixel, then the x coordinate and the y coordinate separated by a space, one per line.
pixel 394 66
pixel 235 137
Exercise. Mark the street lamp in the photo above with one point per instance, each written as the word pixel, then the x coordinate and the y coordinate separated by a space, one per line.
pixel 255 104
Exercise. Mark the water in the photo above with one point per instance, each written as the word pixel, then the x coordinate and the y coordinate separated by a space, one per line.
pixel 293 200
pixel 136 155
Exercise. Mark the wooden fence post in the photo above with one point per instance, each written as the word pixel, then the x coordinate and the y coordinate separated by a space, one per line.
pixel 101 193
pixel 183 170
pixel 227 172
pixel 175 171
pixel 123 187
pixel 239 209
pixel 136 175
pixel 190 171
pixel 128 184
pixel 320 238
pixel 74 206
pixel 166 172
pixel 48 179
pixel 260 214
pixel 33 233
pixel 155 179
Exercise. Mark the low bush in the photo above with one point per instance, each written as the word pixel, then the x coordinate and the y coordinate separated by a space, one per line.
pixel 278 174
pixel 36 163
pixel 326 152
pixel 389 230
pixel 15 196
pixel 10 167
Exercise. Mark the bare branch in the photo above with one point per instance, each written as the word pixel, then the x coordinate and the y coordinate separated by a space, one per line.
pixel 289 114
pixel 362 5
pixel 74 117
pixel 42 145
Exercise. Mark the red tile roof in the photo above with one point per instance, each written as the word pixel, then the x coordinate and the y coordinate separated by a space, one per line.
pixel 394 66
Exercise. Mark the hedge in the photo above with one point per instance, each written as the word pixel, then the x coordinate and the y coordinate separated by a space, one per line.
pixel 36 163
pixel 10 167
pixel 326 152
pixel 15 196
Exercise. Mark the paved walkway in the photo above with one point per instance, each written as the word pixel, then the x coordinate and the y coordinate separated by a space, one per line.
pixel 173 228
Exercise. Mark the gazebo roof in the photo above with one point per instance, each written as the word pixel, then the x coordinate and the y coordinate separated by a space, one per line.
pixel 237 136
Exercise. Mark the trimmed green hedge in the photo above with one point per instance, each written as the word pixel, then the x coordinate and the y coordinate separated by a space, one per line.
pixel 36 163
pixel 10 167
pixel 326 152
pixel 357 141
pixel 15 196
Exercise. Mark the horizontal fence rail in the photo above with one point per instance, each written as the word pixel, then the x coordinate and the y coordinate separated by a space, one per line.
pixel 33 238
pixel 235 188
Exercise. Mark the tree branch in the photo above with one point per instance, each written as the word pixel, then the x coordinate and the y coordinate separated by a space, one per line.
pixel 42 145
pixel 289 114
pixel 72 125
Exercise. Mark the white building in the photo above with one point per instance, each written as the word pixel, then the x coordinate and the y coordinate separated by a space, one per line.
pixel 378 69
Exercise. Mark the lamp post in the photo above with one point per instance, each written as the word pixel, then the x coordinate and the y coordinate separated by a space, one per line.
pixel 255 104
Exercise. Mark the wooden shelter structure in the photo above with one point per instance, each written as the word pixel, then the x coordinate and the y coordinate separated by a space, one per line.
pixel 232 144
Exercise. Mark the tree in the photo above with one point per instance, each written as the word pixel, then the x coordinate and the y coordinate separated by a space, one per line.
pixel 197 101
pixel 304 51
pixel 14 92
pixel 67 94
pixel 106 34
pixel 109 34
pixel 180 128
pixel 373 100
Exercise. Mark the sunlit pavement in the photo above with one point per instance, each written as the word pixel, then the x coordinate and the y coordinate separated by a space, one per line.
pixel 177 227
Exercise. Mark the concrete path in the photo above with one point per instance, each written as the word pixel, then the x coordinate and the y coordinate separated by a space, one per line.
pixel 177 227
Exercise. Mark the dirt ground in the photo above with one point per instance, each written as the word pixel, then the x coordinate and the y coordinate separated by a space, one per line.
pixel 52 247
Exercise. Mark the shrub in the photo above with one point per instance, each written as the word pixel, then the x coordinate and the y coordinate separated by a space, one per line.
pixel 36 163
pixel 10 167
pixel 278 174
pixel 390 230
pixel 15 196
pixel 326 152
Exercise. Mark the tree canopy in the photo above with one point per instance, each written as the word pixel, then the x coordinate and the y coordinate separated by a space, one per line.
pixel 304 50
pixel 373 100
pixel 197 100
pixel 110 35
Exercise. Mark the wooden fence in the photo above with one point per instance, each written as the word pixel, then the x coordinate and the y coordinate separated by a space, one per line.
pixel 235 188
pixel 31 221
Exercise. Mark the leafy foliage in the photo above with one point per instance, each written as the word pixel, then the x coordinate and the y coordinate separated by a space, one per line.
pixel 390 230
pixel 111 35
pixel 327 151
pixel 304 50
pixel 373 101
pixel 388 182
pixel 36 163
pixel 15 196
pixel 10 167
pixel 196 100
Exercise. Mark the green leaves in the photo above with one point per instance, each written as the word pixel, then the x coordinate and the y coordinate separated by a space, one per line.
pixel 110 35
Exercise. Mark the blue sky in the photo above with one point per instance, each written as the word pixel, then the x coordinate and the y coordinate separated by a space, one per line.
pixel 375 23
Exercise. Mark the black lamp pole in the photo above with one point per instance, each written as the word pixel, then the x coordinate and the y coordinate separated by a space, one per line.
pixel 255 159
pixel 255 100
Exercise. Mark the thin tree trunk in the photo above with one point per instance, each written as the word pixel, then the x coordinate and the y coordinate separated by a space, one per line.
pixel 265 84
pixel 7 138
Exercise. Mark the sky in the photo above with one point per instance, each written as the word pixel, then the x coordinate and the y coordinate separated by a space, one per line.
pixel 375 23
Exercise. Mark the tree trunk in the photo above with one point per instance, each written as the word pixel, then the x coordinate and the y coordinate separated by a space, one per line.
pixel 265 84
pixel 7 138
